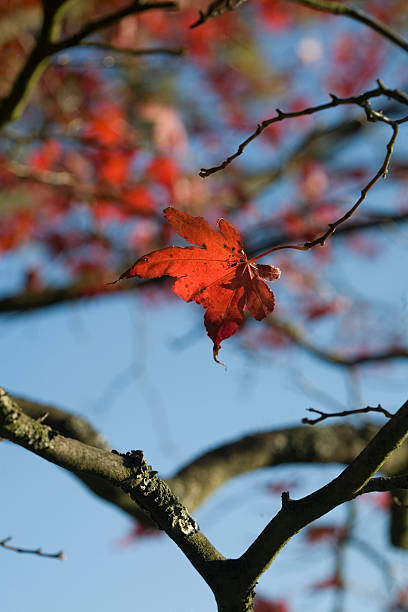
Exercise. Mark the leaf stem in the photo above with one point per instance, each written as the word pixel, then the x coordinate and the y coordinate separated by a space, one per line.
pixel 279 248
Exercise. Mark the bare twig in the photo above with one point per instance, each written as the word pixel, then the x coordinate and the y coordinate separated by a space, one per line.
pixel 32 551
pixel 382 173
pixel 337 8
pixel 381 90
pixel 378 221
pixel 216 8
pixel 350 483
pixel 326 415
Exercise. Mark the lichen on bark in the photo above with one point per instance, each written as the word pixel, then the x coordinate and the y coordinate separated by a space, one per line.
pixel 155 496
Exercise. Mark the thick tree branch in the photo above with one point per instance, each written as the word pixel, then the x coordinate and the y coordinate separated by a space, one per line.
pixel 13 105
pixel 130 472
pixel 72 426
pixel 197 480
pixel 296 514
pixel 232 581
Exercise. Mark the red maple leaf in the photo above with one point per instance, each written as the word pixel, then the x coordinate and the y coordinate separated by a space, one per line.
pixel 216 274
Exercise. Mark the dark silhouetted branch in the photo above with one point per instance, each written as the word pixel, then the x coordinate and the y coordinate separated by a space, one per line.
pixel 197 480
pixel 216 8
pixel 381 90
pixel 337 8
pixel 34 551
pixel 344 413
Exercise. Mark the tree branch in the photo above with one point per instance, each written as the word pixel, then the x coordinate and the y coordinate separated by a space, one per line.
pixel 32 551
pixel 337 8
pixel 72 426
pixel 13 105
pixel 296 514
pixel 382 173
pixel 381 90
pixel 326 415
pixel 231 580
pixel 196 481
pixel 383 483
pixel 216 8
pixel 376 222
pixel 130 472
pixel 137 6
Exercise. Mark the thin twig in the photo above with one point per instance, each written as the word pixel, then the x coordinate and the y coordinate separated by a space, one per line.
pixel 337 8
pixel 381 90
pixel 325 415
pixel 34 551
pixel 372 115
pixel 380 220
pixel 216 8
pixel 382 173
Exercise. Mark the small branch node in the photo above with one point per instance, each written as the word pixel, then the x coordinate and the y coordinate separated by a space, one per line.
pixel 286 500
